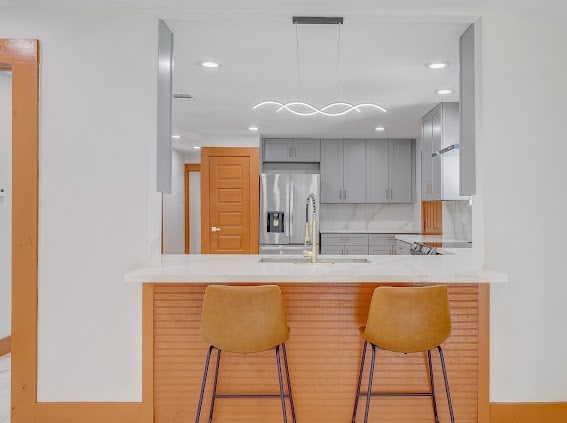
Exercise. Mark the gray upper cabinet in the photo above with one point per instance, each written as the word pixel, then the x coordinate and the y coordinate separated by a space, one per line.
pixel 306 150
pixel 390 171
pixel 331 171
pixel 343 171
pixel 440 155
pixel 277 150
pixel 401 171
pixel 291 150
pixel 377 171
pixel 354 185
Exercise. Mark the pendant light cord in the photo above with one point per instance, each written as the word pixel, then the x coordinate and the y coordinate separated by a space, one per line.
pixel 297 56
pixel 338 61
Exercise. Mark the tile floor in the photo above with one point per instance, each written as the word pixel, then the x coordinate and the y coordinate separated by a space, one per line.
pixel 5 389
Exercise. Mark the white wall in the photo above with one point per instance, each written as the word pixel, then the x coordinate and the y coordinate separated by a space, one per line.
pixel 5 204
pixel 174 208
pixel 97 138
pixel 524 201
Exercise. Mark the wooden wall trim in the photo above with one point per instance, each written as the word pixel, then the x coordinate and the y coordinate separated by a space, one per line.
pixel 483 404
pixel 553 412
pixel 23 58
pixel 85 412
pixel 253 153
pixel 5 346
pixel 189 167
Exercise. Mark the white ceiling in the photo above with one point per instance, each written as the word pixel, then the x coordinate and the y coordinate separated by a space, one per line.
pixel 380 62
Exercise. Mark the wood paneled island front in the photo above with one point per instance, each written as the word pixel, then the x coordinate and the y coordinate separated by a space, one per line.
pixel 324 350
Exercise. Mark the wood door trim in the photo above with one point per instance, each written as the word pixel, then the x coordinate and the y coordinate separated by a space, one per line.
pixel 22 57
pixel 528 412
pixel 253 154
pixel 189 167
pixel 5 345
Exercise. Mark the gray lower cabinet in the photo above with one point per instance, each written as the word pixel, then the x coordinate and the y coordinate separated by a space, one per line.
pixel 343 171
pixel 390 171
pixel 291 150
pixel 358 244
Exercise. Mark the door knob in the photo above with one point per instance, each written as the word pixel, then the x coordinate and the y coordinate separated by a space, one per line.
pixel 215 229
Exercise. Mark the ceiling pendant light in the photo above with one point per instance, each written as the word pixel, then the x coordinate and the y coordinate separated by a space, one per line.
pixel 303 108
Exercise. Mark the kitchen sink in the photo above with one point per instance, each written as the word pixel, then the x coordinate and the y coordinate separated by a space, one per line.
pixel 298 260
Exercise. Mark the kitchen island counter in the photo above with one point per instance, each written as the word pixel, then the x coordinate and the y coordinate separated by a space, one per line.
pixel 197 268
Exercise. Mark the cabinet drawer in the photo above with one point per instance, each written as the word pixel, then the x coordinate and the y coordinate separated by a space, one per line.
pixel 356 250
pixel 332 250
pixel 382 239
pixel 381 251
pixel 344 239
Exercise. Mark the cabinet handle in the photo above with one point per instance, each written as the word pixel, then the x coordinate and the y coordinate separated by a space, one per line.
pixel 289 153
pixel 294 152
pixel 391 194
pixel 387 194
pixel 340 194
pixel 345 194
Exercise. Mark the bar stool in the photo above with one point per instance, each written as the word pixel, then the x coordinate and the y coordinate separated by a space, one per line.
pixel 245 319
pixel 406 320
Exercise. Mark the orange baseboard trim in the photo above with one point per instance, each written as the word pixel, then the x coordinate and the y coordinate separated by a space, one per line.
pixel 526 412
pixel 5 346
pixel 108 412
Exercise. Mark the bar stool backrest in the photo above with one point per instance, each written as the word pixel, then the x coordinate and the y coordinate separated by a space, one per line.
pixel 408 319
pixel 244 319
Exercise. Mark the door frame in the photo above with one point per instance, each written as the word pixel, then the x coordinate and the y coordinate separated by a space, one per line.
pixel 254 169
pixel 189 167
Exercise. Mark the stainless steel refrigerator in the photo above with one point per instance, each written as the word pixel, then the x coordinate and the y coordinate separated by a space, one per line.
pixel 282 211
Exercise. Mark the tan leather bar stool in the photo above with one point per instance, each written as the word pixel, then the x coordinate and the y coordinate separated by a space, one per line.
pixel 406 320
pixel 245 319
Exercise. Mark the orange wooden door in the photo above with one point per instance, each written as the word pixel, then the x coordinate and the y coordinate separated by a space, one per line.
pixel 229 205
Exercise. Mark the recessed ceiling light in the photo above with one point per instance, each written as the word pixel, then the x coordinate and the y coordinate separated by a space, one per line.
pixel 176 137
pixel 253 128
pixel 444 91
pixel 437 65
pixel 210 64
pixel 196 147
pixel 380 128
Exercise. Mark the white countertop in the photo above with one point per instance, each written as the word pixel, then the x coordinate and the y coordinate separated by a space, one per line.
pixel 197 268
pixel 367 231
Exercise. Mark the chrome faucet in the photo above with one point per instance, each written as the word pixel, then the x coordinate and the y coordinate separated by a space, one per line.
pixel 311 231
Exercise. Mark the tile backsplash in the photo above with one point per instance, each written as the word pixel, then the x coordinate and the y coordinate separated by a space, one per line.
pixel 403 217
pixel 457 220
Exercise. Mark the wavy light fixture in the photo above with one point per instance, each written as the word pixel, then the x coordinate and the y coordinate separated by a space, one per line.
pixel 346 108
pixel 301 108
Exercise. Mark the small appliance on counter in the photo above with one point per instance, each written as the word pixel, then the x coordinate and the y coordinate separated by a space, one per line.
pixel 282 211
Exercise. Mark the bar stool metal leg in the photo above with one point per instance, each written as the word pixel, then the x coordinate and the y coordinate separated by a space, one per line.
pixel 369 393
pixel 432 382
pixel 288 383
pixel 446 383
pixel 203 383
pixel 359 381
pixel 215 386
pixel 280 380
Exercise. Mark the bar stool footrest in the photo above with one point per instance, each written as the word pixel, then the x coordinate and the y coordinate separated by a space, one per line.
pixel 399 394
pixel 249 395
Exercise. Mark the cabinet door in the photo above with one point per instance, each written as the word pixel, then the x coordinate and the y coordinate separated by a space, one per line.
pixel 401 171
pixel 332 250
pixel 381 251
pixel 426 163
pixel 277 150
pixel 377 171
pixel 331 171
pixel 354 171
pixel 306 151
pixel 436 145
pixel 356 250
